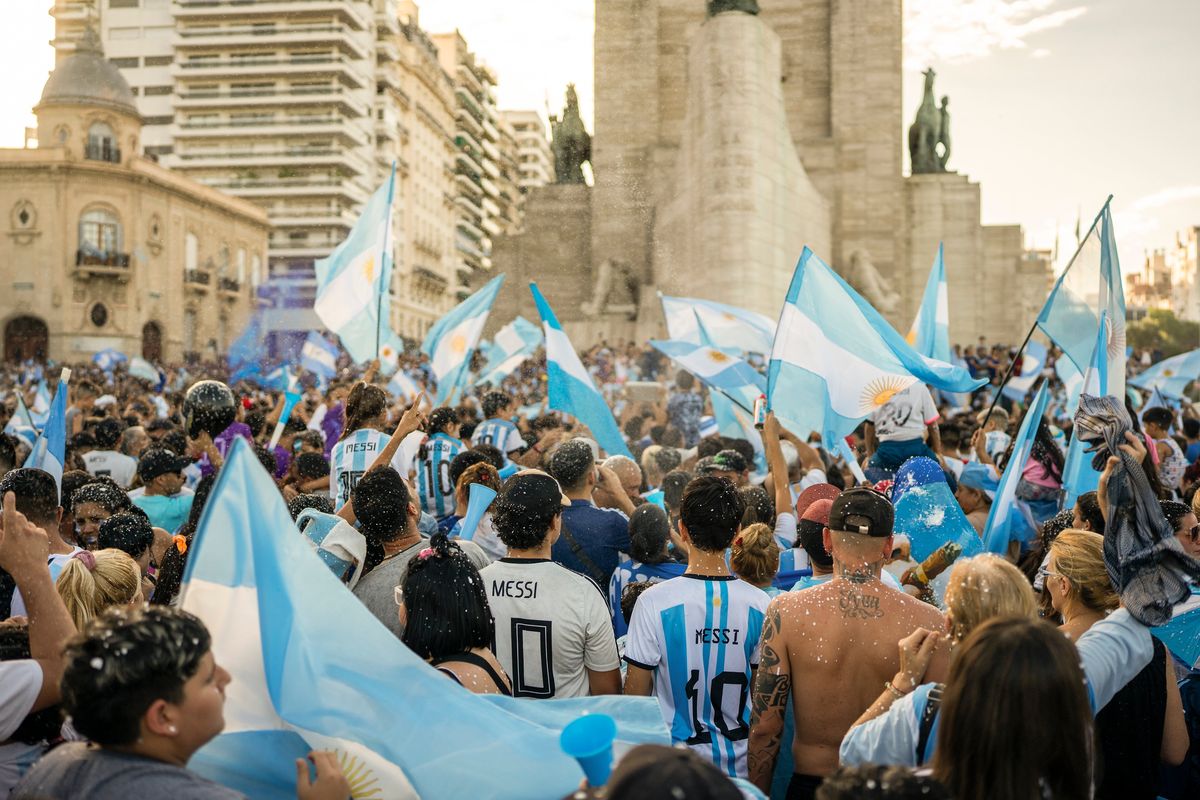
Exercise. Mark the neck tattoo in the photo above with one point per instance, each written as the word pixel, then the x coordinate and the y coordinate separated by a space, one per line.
pixel 860 573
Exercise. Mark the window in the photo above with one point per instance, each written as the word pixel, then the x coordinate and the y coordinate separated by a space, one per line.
pixel 99 233
pixel 99 315
pixel 152 91
pixel 102 144
pixel 255 270
pixel 123 3
pixel 241 265
pixel 191 252
pixel 165 120
pixel 158 61
pixel 124 63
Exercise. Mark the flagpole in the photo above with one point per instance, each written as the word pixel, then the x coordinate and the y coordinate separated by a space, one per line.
pixel 1028 336
pixel 387 230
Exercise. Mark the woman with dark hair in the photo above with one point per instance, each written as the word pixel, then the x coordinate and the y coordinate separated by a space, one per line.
pixel 442 444
pixel 650 557
pixel 1041 479
pixel 446 618
pixel 363 438
pixel 93 503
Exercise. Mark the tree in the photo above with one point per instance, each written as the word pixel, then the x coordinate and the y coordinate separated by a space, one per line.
pixel 1161 330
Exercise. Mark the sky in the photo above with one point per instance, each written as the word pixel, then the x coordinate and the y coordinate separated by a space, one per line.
pixel 1055 104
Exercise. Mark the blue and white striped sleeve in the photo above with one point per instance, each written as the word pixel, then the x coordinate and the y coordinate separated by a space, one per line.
pixel 890 738
pixel 1113 652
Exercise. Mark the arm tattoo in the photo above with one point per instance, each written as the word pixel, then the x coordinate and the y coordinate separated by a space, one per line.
pixel 771 693
pixel 769 658
pixel 857 604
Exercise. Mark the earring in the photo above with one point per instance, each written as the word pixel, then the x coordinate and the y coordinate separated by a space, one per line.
pixel 172 729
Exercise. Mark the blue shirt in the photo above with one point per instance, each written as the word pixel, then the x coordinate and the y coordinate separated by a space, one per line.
pixel 601 533
pixel 433 475
pixel 1193 452
pixel 168 513
pixel 500 434
pixel 630 571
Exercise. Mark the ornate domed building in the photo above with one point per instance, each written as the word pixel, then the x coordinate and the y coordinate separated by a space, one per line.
pixel 104 247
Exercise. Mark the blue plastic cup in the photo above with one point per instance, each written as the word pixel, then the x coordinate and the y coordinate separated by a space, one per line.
pixel 589 740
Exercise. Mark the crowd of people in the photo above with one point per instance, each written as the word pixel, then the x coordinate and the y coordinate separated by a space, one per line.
pixel 768 593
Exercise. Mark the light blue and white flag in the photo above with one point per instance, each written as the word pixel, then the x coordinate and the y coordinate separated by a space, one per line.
pixel 1182 634
pixel 930 332
pixel 1078 475
pixel 514 343
pixel 108 359
pixel 319 356
pixel 49 451
pixel 353 279
pixel 141 368
pixel 1032 360
pixel 836 360
pixel 1009 519
pixel 1089 286
pixel 40 411
pixel 721 372
pixel 452 340
pixel 729 325
pixel 403 386
pixel 390 348
pixel 246 350
pixel 293 638
pixel 571 389
pixel 1171 376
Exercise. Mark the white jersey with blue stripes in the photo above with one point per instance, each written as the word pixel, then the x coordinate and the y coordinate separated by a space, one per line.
pixel 500 434
pixel 351 457
pixel 700 635
pixel 433 475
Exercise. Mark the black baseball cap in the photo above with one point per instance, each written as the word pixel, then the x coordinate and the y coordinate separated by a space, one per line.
pixel 532 490
pixel 157 461
pixel 863 511
pixel 730 461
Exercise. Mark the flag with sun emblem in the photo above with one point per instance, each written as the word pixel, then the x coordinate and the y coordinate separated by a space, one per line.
pixel 451 341
pixel 352 280
pixel 836 360
pixel 1170 376
pixel 1010 519
pixel 312 668
pixel 1087 288
pixel 715 367
pixel 571 388
pixel 930 332
pixel 514 343
pixel 732 326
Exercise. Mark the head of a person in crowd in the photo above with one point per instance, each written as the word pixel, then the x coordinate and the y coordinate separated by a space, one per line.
pixel 266 458
pixel 161 471
pixel 684 381
pixel 1191 429
pixel 318 502
pixel 134 440
pixel 984 587
pixel 145 680
pixel 158 428
pixel 256 421
pixel 384 507
pixel 38 727
pixel 84 393
pixel 108 433
pixel 710 513
pixel 976 488
pixel 1156 421
pixel 630 595
pixel 637 427
pixel 754 556
pixel 655 770
pixel 1075 576
pixel 130 533
pixel 673 485
pixel 732 466
pixel 482 473
pixel 880 782
pixel 445 607
pixel 1183 521
pixel 628 473
pixel 707 448
pixel 444 420
pixel 366 407
pixel 666 459
pixel 497 405
pixel 810 533
pixel 81 443
pixel 491 454
pixel 36 496
pixel 1087 515
pixel 527 514
pixel 1015 721
pixel 650 469
pixel 72 479
pixel 758 506
pixel 998 421
pixel 573 465
pixel 310 466
pixel 92 581
pixel 859 532
pixel 649 534
pixel 309 442
pixel 8 453
pixel 463 461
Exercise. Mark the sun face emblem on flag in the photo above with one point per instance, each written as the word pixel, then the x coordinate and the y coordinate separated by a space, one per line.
pixel 879 391
pixel 369 269
pixel 725 315
pixel 1116 338
pixel 458 343
pixel 1168 373
pixel 387 351
pixel 911 338
pixel 363 783
pixel 716 356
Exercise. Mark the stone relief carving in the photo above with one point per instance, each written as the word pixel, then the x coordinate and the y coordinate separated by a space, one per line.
pixel 614 290
pixel 865 278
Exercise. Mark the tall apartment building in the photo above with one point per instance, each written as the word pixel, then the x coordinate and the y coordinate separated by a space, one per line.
pixel 535 160
pixel 476 167
pixel 1169 279
pixel 300 106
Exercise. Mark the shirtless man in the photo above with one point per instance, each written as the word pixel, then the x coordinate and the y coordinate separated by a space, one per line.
pixel 836 642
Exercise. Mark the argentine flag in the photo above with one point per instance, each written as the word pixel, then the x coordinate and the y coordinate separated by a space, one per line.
pixel 319 356
pixel 731 376
pixel 451 341
pixel 21 423
pixel 571 389
pixel 49 451
pixel 296 642
pixel 1171 376
pixel 732 326
pixel 352 280
pixel 402 386
pixel 1088 287
pixel 246 349
pixel 1078 475
pixel 1032 360
pixel 836 360
pixel 108 359
pixel 390 348
pixel 930 333
pixel 514 343
pixel 1009 520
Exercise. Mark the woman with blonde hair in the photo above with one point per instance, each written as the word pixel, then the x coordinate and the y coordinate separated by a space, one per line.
pixel 754 556
pixel 1143 726
pixel 93 581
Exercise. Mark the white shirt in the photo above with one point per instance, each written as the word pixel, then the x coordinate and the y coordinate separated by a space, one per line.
pixel 55 563
pixel 552 626
pixel 118 466
pixel 20 684
pixel 353 456
pixel 701 637
pixel 904 417
pixel 141 492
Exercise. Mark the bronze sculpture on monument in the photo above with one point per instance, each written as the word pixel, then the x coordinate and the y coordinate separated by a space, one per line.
pixel 717 6
pixel 570 141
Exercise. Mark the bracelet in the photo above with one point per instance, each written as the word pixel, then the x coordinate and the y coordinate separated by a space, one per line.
pixel 896 693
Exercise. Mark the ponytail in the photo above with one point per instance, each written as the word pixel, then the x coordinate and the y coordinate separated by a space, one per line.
pixel 91 582
pixel 755 554
pixel 365 402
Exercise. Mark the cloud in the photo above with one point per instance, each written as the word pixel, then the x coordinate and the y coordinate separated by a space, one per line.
pixel 954 31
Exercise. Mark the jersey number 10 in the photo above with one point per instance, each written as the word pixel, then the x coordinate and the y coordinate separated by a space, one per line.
pixel 716 696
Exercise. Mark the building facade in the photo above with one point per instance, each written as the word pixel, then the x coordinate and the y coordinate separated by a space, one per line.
pixel 105 247
pixel 535 159
pixel 1168 280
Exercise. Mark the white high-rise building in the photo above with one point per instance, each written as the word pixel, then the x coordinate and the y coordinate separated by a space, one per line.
pixel 535 160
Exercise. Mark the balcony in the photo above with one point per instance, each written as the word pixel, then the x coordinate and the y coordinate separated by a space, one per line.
pixel 288 126
pixel 342 36
pixel 196 280
pixel 289 98
pixel 222 10
pixel 102 151
pixel 229 287
pixel 317 186
pixel 299 157
pixel 210 69
pixel 92 263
